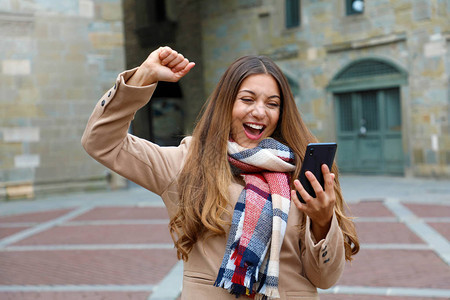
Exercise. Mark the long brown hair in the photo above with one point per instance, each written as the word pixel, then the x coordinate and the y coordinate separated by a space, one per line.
pixel 205 178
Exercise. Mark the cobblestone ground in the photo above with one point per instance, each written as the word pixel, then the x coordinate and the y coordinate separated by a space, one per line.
pixel 100 248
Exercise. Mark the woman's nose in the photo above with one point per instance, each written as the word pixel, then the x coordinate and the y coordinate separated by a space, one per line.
pixel 258 111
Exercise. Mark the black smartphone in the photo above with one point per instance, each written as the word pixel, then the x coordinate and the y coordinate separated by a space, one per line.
pixel 316 155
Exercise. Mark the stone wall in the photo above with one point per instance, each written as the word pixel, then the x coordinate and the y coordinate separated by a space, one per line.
pixel 413 35
pixel 57 59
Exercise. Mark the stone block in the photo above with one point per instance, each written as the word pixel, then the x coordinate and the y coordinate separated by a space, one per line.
pixel 312 53
pixel 111 11
pixel 443 157
pixel 106 40
pixel 400 6
pixel 42 79
pixel 6 81
pixel 51 45
pixel 20 134
pixel 321 81
pixel 430 157
pixel 74 93
pixel 16 67
pixel 20 191
pixel 41 30
pixel 115 63
pixel 27 161
pixel 435 48
pixel 28 95
pixel 117 182
pixel 18 174
pixel 86 8
pixel 421 10
pixel 75 57
pixel 52 96
pixel 418 156
pixel 19 110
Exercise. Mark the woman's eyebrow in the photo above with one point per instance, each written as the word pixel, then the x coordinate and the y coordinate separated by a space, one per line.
pixel 248 91
pixel 253 93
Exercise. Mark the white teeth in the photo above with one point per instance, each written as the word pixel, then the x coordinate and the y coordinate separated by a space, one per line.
pixel 254 126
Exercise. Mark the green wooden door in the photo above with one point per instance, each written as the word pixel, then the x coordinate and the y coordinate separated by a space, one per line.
pixel 369 132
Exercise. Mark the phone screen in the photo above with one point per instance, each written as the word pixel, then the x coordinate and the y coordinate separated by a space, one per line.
pixel 316 155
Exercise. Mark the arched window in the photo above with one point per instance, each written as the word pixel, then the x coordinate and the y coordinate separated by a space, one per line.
pixel 368 73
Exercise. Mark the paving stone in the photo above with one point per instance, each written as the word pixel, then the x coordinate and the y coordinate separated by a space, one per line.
pixel 74 295
pixel 370 209
pixel 396 268
pixel 442 228
pixel 94 267
pixel 7 231
pixel 377 225
pixel 390 232
pixel 101 234
pixel 124 213
pixel 37 217
pixel 428 210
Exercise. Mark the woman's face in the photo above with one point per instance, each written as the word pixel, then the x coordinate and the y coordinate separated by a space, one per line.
pixel 256 110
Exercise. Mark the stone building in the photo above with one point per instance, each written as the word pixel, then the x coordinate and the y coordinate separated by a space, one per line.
pixel 57 58
pixel 371 75
pixel 375 78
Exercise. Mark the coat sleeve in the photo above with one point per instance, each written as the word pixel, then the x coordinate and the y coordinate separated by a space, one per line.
pixel 324 261
pixel 107 140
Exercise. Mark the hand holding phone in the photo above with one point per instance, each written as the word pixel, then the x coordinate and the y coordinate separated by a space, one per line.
pixel 316 155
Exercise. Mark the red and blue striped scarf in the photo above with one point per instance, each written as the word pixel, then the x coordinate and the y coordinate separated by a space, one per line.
pixel 250 264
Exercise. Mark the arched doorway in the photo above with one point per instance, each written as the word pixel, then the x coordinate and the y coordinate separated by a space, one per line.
pixel 162 119
pixel 369 117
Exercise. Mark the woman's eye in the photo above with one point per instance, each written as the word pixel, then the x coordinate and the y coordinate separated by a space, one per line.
pixel 246 99
pixel 273 104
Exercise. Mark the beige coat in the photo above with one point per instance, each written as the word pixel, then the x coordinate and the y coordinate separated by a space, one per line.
pixel 304 263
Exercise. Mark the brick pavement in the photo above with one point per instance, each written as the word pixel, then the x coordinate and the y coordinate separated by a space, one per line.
pixel 107 252
pixel 97 246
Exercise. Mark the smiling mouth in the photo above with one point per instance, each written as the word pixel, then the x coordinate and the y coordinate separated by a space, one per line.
pixel 253 131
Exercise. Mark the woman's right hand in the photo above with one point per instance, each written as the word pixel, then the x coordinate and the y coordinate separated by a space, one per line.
pixel 163 64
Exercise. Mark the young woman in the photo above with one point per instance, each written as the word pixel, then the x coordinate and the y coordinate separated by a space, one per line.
pixel 228 188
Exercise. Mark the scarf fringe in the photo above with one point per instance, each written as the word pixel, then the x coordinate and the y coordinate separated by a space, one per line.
pixel 272 292
pixel 220 281
pixel 238 290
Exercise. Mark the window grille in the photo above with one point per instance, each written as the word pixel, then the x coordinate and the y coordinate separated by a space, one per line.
pixel 367 68
pixel 345 112
pixel 369 110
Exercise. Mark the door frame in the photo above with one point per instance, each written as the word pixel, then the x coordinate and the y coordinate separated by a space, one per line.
pixel 394 77
pixel 385 139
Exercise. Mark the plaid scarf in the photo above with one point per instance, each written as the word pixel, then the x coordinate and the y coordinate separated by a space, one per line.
pixel 250 264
